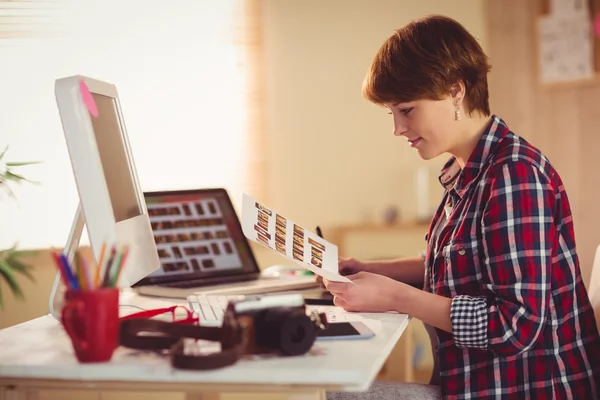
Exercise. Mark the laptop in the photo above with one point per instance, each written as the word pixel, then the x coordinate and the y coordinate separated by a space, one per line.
pixel 203 250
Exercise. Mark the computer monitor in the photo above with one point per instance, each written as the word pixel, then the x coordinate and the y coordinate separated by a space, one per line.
pixel 111 201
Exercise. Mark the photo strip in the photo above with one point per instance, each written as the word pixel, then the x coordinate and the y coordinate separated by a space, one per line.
pixel 263 225
pixel 280 233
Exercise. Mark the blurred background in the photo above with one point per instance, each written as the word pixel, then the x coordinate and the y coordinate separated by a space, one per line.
pixel 264 97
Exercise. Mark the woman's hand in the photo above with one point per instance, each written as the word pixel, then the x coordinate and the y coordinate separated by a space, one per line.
pixel 346 266
pixel 369 292
pixel 351 266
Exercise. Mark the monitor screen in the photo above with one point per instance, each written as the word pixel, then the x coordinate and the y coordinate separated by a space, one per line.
pixel 109 132
pixel 197 235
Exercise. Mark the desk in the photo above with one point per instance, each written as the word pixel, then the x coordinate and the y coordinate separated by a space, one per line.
pixel 37 355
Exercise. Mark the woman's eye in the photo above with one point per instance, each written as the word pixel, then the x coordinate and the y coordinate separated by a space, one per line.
pixel 406 111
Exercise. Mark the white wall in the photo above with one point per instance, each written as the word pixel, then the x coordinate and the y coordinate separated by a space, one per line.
pixel 333 156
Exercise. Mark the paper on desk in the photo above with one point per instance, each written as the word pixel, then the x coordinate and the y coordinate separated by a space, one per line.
pixel 263 225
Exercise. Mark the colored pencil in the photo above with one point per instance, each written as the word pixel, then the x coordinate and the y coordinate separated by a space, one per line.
pixel 99 266
pixel 87 275
pixel 78 261
pixel 120 266
pixel 69 271
pixel 115 268
pixel 61 269
pixel 109 264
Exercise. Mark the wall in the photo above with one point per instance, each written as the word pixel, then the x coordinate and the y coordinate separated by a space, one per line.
pixel 562 121
pixel 333 156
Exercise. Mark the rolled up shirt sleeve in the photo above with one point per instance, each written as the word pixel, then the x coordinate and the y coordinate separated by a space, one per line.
pixel 519 234
pixel 469 316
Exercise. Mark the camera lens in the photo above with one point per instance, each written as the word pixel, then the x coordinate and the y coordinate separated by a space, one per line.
pixel 289 331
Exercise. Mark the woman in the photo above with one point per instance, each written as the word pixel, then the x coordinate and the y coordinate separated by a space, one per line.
pixel 501 281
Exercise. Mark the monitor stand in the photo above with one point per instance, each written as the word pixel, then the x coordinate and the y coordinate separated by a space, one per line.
pixel 56 300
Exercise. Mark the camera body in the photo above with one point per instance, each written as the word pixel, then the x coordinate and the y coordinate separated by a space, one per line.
pixel 274 324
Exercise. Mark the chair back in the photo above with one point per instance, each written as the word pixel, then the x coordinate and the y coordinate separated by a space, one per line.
pixel 594 287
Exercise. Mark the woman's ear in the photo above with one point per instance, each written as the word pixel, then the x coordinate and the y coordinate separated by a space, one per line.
pixel 457 91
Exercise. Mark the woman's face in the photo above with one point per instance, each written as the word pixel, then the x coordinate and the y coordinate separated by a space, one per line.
pixel 428 125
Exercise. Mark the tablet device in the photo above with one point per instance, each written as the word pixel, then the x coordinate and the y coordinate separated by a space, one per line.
pixel 317 296
pixel 345 331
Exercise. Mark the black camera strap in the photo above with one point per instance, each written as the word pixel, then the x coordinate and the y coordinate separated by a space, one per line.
pixel 148 334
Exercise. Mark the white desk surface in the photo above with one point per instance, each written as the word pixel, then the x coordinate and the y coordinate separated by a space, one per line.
pixel 38 353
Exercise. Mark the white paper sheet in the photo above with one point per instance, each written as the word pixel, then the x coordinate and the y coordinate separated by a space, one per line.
pixel 265 226
pixel 566 6
pixel 566 49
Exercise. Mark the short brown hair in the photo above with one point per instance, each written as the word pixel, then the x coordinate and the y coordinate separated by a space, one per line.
pixel 423 60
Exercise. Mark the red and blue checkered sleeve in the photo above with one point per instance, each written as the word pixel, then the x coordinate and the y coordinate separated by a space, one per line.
pixel 519 232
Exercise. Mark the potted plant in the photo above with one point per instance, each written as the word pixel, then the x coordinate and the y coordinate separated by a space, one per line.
pixel 11 264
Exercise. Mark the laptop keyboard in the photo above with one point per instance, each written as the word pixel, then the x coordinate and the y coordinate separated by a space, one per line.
pixel 211 308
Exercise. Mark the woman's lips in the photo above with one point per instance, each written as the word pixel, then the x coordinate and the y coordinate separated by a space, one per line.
pixel 414 142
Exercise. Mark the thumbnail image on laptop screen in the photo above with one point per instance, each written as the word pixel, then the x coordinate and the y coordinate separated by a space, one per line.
pixel 197 234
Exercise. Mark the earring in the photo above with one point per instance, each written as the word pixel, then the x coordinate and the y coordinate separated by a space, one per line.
pixel 457 115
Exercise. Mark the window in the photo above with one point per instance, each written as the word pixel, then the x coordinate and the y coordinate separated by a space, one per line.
pixel 187 73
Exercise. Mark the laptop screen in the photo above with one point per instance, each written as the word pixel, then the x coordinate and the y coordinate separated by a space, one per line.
pixel 198 235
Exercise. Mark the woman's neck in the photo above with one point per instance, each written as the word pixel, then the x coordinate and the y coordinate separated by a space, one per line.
pixel 471 131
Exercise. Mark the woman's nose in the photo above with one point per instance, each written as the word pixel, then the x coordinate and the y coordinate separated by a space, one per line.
pixel 399 129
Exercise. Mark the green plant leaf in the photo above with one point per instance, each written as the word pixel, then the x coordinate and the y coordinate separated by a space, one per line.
pixel 8 191
pixel 9 277
pixel 3 153
pixel 17 178
pixel 21 164
pixel 8 252
pixel 12 249
pixel 19 267
pixel 25 253
pixel 14 177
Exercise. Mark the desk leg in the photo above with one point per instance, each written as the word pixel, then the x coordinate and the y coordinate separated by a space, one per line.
pixel 200 396
pixel 17 394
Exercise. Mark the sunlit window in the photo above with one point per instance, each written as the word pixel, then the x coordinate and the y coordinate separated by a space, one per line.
pixel 181 72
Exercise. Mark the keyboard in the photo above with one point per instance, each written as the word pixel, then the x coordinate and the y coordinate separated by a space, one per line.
pixel 211 308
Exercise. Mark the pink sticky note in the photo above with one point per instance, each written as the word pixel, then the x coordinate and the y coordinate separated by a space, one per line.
pixel 88 100
pixel 597 25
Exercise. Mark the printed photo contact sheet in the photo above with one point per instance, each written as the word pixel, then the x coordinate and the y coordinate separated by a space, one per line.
pixel 263 225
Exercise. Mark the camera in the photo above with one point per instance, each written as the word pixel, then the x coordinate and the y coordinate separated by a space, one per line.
pixel 274 323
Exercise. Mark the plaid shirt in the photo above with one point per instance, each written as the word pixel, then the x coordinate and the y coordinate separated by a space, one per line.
pixel 522 323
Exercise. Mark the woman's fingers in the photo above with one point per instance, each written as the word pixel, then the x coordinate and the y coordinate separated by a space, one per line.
pixel 339 302
pixel 320 281
pixel 342 304
pixel 335 287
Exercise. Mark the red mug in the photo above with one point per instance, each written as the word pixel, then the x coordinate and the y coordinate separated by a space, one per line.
pixel 91 319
